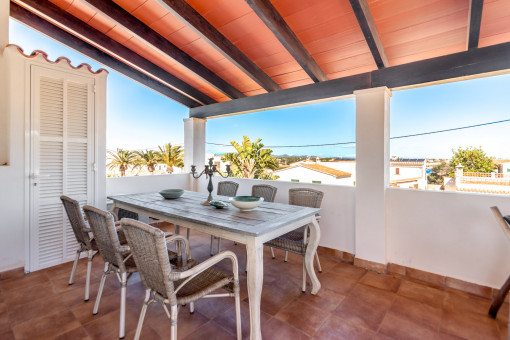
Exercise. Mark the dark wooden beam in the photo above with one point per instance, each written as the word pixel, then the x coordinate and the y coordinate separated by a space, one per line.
pixel 274 21
pixel 367 24
pixel 151 37
pixel 475 20
pixel 187 14
pixel 31 20
pixel 468 63
pixel 68 22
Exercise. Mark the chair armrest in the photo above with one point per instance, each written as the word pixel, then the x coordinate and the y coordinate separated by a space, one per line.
pixel 191 273
pixel 180 238
pixel 122 249
pixel 87 230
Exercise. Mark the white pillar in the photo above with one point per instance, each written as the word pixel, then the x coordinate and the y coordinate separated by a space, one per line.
pixel 372 172
pixel 194 146
pixel 4 102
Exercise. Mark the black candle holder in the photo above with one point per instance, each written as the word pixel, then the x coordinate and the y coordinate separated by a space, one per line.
pixel 209 171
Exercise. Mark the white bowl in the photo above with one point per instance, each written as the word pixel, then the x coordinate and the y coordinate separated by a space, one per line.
pixel 246 203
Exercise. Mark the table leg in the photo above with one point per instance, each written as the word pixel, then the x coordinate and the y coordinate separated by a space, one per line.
pixel 255 279
pixel 313 242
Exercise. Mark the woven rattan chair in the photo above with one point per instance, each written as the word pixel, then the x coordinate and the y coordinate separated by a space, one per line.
pixel 168 286
pixel 225 188
pixel 268 192
pixel 117 257
pixel 82 234
pixel 296 240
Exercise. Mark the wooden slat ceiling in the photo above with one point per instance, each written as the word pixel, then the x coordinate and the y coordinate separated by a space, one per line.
pixel 328 35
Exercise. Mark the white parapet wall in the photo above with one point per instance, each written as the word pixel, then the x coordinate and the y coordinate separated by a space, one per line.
pixel 337 216
pixel 138 184
pixel 448 233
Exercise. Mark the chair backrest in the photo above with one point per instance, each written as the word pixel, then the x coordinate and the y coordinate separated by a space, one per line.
pixel 306 197
pixel 268 192
pixel 499 217
pixel 227 188
pixel 105 234
pixel 72 208
pixel 151 257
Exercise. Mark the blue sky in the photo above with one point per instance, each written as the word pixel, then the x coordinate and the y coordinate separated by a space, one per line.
pixel 139 118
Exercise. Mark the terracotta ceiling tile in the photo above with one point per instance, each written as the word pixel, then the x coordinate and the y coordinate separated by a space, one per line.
pixel 327 28
pixel 245 25
pixel 361 60
pixel 495 27
pixel 428 54
pixel 296 83
pixel 289 7
pixel 317 14
pixel 150 12
pixel 167 25
pixel 119 34
pixel 225 12
pixel 274 59
pixel 64 4
pixel 182 37
pixel 291 77
pixel 81 11
pixel 203 7
pixel 345 38
pixel 341 52
pixel 384 9
pixel 130 5
pixel 101 23
pixel 255 92
pixel 287 67
pixel 351 72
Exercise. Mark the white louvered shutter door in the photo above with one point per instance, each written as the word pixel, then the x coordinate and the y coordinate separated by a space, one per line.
pixel 62 157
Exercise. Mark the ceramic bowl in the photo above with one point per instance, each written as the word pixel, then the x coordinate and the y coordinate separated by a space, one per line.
pixel 246 203
pixel 219 204
pixel 171 193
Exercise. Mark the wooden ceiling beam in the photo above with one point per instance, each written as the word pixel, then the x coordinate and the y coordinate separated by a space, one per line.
pixel 274 21
pixel 143 32
pixel 33 21
pixel 68 22
pixel 192 19
pixel 495 58
pixel 367 24
pixel 474 23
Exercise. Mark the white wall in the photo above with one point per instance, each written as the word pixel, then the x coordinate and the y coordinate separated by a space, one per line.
pixel 337 216
pixel 448 233
pixel 138 184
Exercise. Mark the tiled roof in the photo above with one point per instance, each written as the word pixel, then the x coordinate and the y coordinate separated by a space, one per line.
pixel 58 60
pixel 405 180
pixel 322 169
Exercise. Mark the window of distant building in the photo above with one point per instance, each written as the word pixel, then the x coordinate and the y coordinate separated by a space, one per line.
pixel 397 171
pixel 294 180
pixel 317 182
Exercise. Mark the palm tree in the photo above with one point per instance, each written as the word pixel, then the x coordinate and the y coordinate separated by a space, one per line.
pixel 148 158
pixel 250 160
pixel 171 156
pixel 121 159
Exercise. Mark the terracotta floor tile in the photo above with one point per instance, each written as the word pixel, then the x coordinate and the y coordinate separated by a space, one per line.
pixel 348 271
pixel 8 335
pixel 228 322
pixel 275 329
pixel 381 281
pixel 337 283
pixel 399 327
pixel 463 302
pixel 26 281
pixel 75 334
pixel 335 328
pixel 273 299
pixel 211 307
pixel 417 312
pixel 326 299
pixel 83 311
pixel 186 324
pixel 35 309
pixel 210 331
pixel 430 295
pixel 373 295
pixel 446 336
pixel 4 322
pixel 46 326
pixel 302 316
pixel 362 313
pixel 469 325
pixel 24 295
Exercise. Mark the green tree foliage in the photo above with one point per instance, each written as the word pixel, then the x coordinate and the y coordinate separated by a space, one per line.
pixel 250 160
pixel 472 159
pixel 438 172
pixel 121 159
pixel 148 158
pixel 171 156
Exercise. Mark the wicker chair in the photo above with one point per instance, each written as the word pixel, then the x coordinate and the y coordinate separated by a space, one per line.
pixel 268 192
pixel 82 234
pixel 170 286
pixel 117 257
pixel 225 188
pixel 296 240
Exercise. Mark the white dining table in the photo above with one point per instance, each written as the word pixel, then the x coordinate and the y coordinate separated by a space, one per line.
pixel 252 228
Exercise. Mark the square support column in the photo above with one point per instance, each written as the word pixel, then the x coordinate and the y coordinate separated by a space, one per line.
pixel 194 146
pixel 372 173
pixel 4 95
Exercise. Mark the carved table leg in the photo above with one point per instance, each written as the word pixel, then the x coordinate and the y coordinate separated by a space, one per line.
pixel 255 279
pixel 313 242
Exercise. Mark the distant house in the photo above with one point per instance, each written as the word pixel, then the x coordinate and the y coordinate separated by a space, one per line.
pixel 308 172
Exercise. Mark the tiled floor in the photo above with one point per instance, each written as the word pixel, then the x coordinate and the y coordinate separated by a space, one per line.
pixel 352 304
